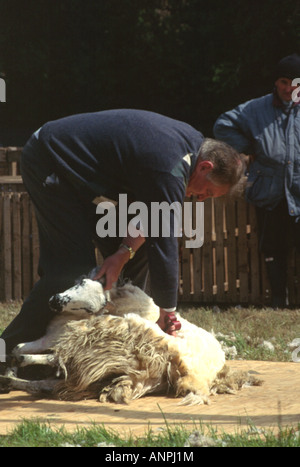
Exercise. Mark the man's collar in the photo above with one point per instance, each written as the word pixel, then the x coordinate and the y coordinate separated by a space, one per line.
pixel 277 102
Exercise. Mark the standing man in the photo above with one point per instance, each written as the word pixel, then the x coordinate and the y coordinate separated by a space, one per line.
pixel 70 164
pixel 268 129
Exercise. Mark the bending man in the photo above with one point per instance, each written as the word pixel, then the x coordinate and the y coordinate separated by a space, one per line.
pixel 71 164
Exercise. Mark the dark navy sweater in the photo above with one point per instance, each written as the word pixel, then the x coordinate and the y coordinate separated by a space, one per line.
pixel 135 152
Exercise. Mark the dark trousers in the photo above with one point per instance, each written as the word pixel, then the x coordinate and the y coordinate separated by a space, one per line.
pixel 67 234
pixel 278 232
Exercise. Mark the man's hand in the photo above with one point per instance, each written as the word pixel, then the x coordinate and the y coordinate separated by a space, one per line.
pixel 168 322
pixel 112 267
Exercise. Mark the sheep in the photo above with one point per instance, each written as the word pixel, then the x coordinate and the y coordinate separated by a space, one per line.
pixel 119 353
pixel 84 292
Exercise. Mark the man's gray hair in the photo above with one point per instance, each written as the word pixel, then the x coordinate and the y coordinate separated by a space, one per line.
pixel 228 165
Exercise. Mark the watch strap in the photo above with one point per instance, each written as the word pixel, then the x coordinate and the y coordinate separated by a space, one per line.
pixel 128 248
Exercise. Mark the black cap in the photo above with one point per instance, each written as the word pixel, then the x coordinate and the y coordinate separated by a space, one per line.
pixel 288 67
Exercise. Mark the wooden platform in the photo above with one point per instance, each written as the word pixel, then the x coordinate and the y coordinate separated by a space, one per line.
pixel 276 402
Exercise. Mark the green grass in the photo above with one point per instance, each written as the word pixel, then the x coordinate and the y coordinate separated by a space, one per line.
pixel 7 313
pixel 243 328
pixel 247 328
pixel 35 433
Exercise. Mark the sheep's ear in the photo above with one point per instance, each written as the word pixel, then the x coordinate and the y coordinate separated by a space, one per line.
pixel 93 272
pixel 79 279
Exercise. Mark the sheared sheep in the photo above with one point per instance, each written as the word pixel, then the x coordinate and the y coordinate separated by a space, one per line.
pixel 120 353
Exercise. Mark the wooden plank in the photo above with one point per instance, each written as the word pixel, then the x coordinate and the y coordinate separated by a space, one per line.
pixel 192 289
pixel 225 249
pixel 3 155
pixel 186 267
pixel 265 283
pixel 26 250
pixel 13 154
pixel 16 247
pixel 180 276
pixel 219 249
pixel 194 255
pixel 207 253
pixel 13 158
pixel 198 276
pixel 13 168
pixel 254 256
pixel 231 249
pixel 197 269
pixel 213 236
pixel 292 277
pixel 180 272
pixel 3 162
pixel 35 249
pixel 10 179
pixel 242 252
pixel 7 247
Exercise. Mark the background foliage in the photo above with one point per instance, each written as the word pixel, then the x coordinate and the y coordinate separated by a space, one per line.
pixel 189 59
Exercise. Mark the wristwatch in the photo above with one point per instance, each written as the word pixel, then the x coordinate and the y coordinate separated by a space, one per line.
pixel 128 248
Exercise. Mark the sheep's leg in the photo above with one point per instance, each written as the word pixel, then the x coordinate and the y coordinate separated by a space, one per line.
pixel 119 391
pixel 194 393
pixel 35 347
pixel 32 387
pixel 45 359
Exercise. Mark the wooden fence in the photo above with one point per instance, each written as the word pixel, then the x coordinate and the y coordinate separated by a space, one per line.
pixel 10 161
pixel 19 246
pixel 227 269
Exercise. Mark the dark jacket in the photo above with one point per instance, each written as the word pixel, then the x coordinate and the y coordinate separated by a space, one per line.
pixel 131 152
pixel 265 129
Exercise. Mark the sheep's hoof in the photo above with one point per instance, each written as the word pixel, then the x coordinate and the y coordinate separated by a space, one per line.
pixel 119 391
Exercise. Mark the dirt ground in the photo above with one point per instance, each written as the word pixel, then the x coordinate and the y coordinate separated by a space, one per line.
pixel 275 403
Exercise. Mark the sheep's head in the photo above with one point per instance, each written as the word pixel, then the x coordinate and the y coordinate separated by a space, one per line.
pixel 88 295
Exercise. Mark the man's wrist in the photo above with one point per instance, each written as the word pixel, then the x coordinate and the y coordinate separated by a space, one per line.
pixel 128 249
pixel 169 310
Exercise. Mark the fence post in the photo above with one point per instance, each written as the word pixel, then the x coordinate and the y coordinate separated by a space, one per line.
pixel 16 247
pixel 7 247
